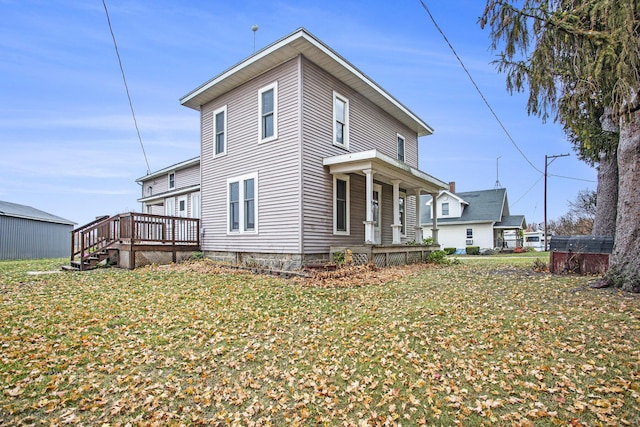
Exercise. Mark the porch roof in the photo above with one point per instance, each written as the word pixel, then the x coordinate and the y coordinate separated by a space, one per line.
pixel 386 169
pixel 161 196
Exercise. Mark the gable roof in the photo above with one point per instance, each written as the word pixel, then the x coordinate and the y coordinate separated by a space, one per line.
pixel 483 206
pixel 302 42
pixel 22 211
pixel 450 194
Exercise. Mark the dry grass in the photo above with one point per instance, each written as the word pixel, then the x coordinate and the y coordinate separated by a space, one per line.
pixel 474 344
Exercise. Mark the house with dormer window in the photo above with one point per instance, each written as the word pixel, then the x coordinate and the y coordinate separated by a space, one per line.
pixel 473 218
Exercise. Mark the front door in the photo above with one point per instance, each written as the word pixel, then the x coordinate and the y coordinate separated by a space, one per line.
pixel 377 220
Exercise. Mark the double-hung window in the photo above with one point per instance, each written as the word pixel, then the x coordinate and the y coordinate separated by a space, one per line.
pixel 242 209
pixel 469 233
pixel 172 180
pixel 445 209
pixel 400 146
pixel 220 131
pixel 340 121
pixel 268 112
pixel 341 196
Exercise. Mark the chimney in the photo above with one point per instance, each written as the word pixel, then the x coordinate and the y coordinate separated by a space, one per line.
pixel 452 187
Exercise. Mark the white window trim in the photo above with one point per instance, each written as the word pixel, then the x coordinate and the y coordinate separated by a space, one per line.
pixel 345 135
pixel 215 131
pixel 404 148
pixel 169 186
pixel 442 209
pixel 273 86
pixel 335 206
pixel 240 180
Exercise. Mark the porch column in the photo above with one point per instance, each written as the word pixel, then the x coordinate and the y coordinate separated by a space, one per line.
pixel 434 216
pixel 369 224
pixel 396 226
pixel 418 219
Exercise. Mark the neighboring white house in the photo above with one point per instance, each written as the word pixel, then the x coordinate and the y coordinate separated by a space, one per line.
pixel 473 218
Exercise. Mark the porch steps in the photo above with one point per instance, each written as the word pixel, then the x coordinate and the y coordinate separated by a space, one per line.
pixel 91 262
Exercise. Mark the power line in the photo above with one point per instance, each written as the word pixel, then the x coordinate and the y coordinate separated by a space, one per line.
pixel 527 192
pixel 570 177
pixel 124 79
pixel 477 88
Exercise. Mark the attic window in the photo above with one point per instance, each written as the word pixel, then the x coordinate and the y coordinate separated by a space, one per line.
pixel 172 180
pixel 445 209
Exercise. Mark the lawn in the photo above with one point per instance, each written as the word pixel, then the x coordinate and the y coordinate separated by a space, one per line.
pixel 484 342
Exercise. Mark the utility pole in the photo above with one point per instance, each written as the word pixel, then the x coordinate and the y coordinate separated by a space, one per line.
pixel 546 165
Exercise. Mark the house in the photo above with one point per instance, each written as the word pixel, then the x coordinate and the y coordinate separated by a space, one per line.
pixel 172 191
pixel 301 152
pixel 474 218
pixel 29 233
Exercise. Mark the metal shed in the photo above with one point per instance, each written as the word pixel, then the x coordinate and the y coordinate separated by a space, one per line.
pixel 29 233
pixel 580 254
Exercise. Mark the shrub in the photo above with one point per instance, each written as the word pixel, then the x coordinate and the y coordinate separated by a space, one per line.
pixel 196 256
pixel 428 241
pixel 473 250
pixel 450 251
pixel 338 258
pixel 438 257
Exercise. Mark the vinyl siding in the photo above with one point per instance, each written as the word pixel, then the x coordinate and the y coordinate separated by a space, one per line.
pixel 369 127
pixel 276 163
pixel 455 236
pixel 184 178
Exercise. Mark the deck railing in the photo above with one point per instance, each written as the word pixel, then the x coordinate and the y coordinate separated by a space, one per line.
pixel 133 228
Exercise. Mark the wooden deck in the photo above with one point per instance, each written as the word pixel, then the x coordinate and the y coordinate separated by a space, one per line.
pixel 121 237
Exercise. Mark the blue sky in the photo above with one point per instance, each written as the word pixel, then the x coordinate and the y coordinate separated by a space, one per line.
pixel 68 144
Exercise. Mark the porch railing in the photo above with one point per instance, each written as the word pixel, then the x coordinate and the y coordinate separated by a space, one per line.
pixel 132 228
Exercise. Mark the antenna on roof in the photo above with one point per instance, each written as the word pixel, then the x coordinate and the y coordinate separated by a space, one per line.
pixel 254 28
pixel 498 185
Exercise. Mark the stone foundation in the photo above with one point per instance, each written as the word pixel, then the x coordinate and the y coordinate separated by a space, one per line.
pixel 279 262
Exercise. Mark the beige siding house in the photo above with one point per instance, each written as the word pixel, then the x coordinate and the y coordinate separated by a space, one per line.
pixel 173 191
pixel 301 152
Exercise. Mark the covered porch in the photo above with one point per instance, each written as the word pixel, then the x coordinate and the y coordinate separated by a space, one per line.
pixel 405 182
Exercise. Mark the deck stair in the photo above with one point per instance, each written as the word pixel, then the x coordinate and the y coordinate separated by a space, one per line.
pixel 131 232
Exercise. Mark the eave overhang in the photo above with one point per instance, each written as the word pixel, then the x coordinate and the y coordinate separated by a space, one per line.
pixel 386 169
pixel 161 196
pixel 301 42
